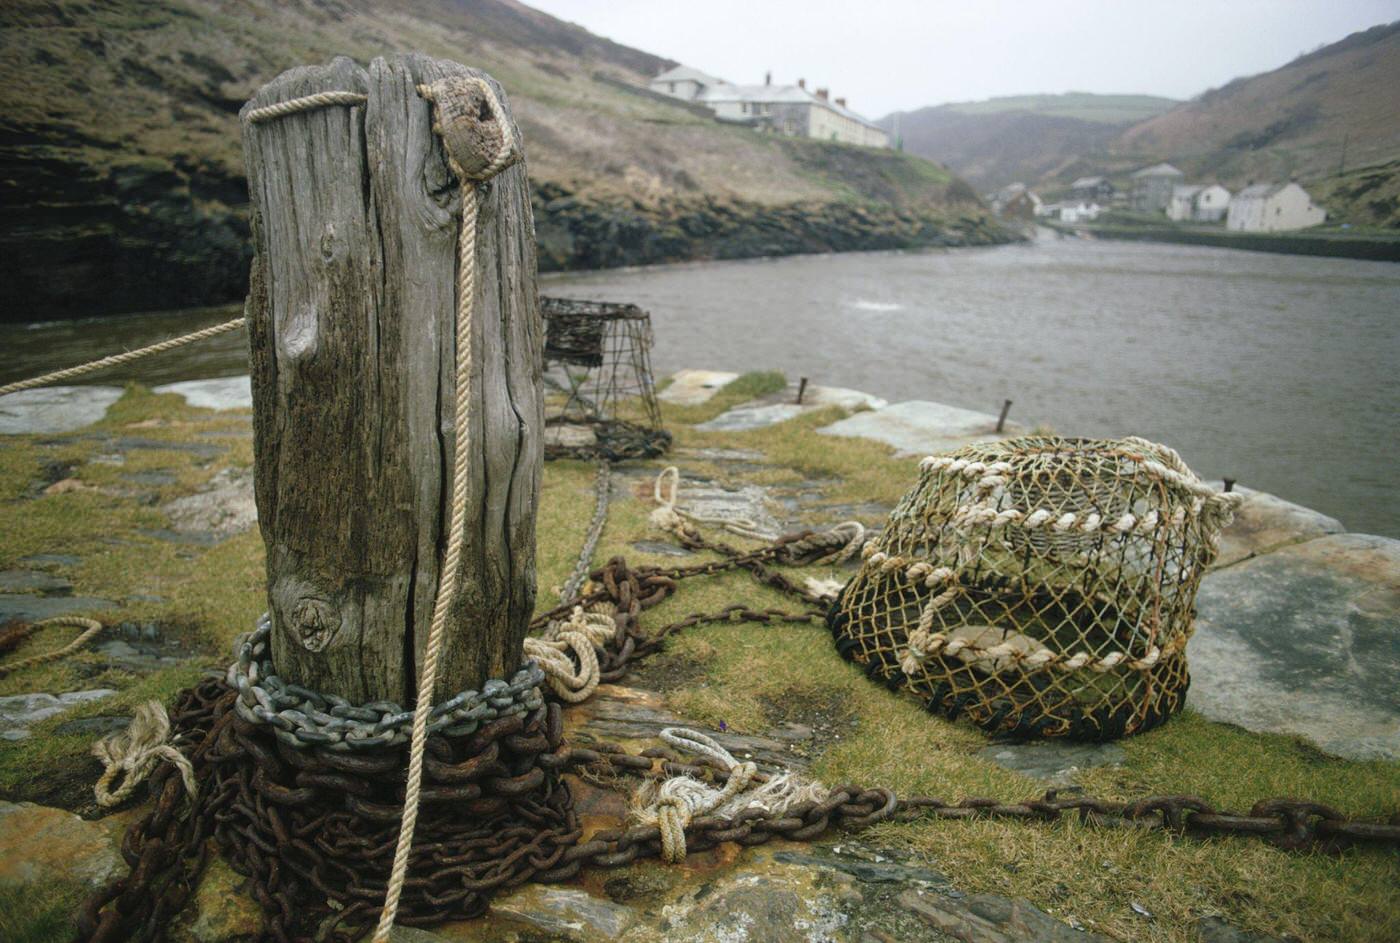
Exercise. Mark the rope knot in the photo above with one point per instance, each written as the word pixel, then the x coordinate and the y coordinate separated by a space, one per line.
pixel 134 752
pixel 672 805
pixel 469 118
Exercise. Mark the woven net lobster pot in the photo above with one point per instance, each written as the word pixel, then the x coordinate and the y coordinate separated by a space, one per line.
pixel 1039 586
pixel 600 397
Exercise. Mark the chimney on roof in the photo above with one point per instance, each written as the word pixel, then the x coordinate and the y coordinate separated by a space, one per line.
pixel 802 83
pixel 768 78
pixel 821 93
pixel 841 103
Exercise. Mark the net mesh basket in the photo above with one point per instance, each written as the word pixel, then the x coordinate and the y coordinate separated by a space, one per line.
pixel 600 399
pixel 1039 586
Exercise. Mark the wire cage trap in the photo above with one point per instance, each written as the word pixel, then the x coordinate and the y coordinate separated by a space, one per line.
pixel 600 399
pixel 1039 586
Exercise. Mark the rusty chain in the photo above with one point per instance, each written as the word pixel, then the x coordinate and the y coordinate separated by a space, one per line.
pixel 313 828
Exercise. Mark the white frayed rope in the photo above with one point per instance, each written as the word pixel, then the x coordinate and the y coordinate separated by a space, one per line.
pixel 673 804
pixel 132 754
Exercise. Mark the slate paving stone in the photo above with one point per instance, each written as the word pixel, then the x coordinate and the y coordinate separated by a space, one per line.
pixel 150 479
pixel 919 427
pixel 223 507
pixel 55 409
pixel 691 387
pixel 664 549
pixel 987 918
pixel 781 406
pixel 220 393
pixel 1054 763
pixel 1305 640
pixel 33 581
pixel 19 712
pixel 94 727
pixel 171 536
pixel 132 443
pixel 47 560
pixel 31 608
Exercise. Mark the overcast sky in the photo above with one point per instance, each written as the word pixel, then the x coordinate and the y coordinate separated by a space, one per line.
pixel 887 55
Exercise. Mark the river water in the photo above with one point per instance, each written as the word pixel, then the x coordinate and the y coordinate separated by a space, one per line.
pixel 1280 371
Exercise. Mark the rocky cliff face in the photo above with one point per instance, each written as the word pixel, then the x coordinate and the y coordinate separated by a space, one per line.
pixel 576 231
pixel 121 179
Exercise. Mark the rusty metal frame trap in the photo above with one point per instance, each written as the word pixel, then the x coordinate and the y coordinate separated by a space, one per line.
pixel 600 397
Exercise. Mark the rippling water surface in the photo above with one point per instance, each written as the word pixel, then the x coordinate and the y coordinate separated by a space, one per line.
pixel 1280 371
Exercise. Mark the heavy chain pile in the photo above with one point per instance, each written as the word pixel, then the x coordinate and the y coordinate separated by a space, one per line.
pixel 314 827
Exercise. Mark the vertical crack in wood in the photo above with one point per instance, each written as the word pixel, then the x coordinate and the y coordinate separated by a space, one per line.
pixel 353 423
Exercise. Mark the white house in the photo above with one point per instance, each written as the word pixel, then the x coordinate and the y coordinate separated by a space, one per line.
pixel 683 82
pixel 786 109
pixel 1202 203
pixel 1079 212
pixel 1273 207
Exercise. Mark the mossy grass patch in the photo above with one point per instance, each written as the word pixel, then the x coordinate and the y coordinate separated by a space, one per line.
pixel 745 677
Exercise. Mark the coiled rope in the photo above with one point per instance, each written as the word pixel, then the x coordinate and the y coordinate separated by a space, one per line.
pixel 582 633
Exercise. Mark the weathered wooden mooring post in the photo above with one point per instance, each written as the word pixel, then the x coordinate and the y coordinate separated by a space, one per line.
pixel 351 313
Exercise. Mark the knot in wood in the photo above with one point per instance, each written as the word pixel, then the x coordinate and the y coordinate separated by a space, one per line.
pixel 315 622
pixel 472 124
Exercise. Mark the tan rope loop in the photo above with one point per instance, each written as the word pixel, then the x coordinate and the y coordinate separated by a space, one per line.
pixel 582 634
pixel 305 103
pixel 69 373
pixel 132 754
pixel 90 628
pixel 669 517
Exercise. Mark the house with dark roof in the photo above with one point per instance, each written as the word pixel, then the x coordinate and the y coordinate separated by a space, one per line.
pixel 1092 190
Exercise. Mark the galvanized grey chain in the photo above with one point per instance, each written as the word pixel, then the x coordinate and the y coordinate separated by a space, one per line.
pixel 303 718
pixel 602 495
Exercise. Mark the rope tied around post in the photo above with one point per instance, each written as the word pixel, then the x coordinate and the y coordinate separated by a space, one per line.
pixel 465 107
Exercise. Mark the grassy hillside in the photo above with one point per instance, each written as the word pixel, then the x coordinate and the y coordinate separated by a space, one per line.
pixel 1083 106
pixel 1366 197
pixel 1295 121
pixel 121 179
pixel 1025 137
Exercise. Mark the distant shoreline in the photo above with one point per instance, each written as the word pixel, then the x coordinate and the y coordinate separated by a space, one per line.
pixel 1364 246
